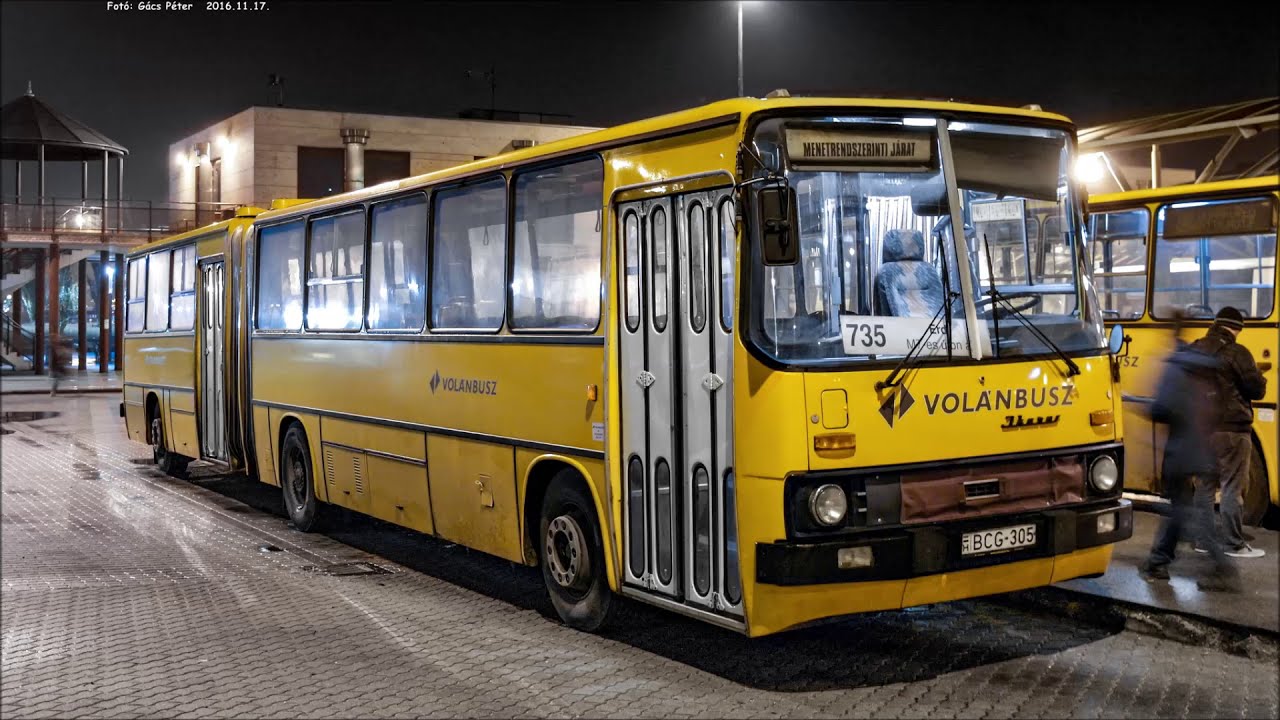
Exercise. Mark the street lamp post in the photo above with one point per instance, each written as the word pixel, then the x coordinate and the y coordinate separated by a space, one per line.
pixel 741 92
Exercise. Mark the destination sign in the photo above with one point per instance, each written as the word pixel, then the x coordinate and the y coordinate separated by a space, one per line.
pixel 1232 218
pixel 840 147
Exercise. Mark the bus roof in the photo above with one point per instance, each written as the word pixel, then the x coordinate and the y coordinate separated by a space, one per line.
pixel 243 213
pixel 728 111
pixel 1189 190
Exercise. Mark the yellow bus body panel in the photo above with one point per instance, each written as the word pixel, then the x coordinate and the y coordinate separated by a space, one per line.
pixel 503 396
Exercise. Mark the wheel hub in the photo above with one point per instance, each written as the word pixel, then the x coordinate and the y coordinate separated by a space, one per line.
pixel 566 553
pixel 157 439
pixel 296 480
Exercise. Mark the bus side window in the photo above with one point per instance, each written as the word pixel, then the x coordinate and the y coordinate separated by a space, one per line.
pixel 556 271
pixel 279 278
pixel 137 316
pixel 158 291
pixel 182 303
pixel 335 275
pixel 469 257
pixel 1119 248
pixel 398 264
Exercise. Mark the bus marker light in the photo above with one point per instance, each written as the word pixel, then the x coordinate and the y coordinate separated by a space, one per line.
pixel 1106 523
pixel 854 557
pixel 591 393
pixel 835 441
pixel 1101 417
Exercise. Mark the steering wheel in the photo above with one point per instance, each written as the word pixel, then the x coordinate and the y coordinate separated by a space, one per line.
pixel 1031 300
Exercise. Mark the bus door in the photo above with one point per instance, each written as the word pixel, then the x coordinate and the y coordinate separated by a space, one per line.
pixel 211 338
pixel 675 378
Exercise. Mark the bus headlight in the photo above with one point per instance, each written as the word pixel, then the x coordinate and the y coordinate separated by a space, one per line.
pixel 828 505
pixel 1103 473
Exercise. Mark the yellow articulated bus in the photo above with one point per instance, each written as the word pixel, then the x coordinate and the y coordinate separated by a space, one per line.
pixel 1195 249
pixel 733 361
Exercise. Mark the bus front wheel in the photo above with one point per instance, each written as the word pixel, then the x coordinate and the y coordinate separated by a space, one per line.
pixel 572 555
pixel 296 480
pixel 1257 494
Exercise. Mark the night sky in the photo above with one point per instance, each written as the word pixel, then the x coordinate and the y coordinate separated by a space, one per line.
pixel 146 79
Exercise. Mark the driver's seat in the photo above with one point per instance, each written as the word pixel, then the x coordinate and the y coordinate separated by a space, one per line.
pixel 906 285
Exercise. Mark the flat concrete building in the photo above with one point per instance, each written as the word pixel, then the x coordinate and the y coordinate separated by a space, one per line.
pixel 264 153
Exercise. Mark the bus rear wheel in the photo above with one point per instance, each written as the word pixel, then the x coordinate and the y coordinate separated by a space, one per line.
pixel 572 555
pixel 297 481
pixel 171 463
pixel 1257 494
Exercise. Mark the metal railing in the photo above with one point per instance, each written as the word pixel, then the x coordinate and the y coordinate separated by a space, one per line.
pixel 139 218
pixel 15 338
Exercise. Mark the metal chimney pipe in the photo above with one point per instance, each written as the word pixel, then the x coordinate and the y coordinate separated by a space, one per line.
pixel 355 140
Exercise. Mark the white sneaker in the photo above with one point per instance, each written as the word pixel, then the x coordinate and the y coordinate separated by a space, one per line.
pixel 1246 551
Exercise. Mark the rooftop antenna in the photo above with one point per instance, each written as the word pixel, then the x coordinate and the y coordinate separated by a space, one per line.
pixel 277 82
pixel 492 76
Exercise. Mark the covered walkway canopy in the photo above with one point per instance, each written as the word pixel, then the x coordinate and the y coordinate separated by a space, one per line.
pixel 1222 142
pixel 31 131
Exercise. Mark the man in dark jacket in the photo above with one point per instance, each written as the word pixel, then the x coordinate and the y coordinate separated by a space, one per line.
pixel 1239 382
pixel 1186 400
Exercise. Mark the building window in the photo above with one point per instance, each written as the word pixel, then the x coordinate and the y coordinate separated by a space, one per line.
pixel 556 284
pixel 320 171
pixel 398 264
pixel 469 257
pixel 280 277
pixel 335 276
pixel 384 165
pixel 182 303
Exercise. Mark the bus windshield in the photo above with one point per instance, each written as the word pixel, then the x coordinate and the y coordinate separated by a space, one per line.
pixel 877 254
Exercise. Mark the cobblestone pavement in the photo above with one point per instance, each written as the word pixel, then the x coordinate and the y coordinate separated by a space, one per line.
pixel 130 594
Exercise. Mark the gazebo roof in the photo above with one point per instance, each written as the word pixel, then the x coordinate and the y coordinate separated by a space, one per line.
pixel 27 123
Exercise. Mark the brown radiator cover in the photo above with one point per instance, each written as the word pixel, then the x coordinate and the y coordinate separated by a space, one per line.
pixel 937 495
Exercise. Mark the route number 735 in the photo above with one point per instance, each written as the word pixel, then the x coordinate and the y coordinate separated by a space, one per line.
pixel 866 335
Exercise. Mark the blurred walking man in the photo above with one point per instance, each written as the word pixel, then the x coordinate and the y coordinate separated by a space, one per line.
pixel 1187 401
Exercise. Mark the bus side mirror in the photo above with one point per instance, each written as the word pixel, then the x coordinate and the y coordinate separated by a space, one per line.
pixel 774 211
pixel 1116 340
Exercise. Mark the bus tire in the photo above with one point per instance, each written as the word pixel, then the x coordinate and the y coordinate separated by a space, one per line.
pixel 1257 492
pixel 297 482
pixel 572 555
pixel 170 463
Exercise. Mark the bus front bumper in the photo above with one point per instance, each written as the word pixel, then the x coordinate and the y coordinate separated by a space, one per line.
pixel 909 552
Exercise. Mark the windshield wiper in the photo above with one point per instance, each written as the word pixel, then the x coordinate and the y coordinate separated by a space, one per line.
pixel 903 364
pixel 1072 367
